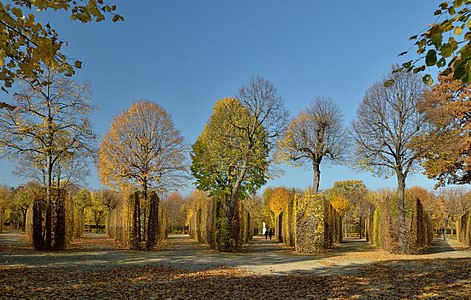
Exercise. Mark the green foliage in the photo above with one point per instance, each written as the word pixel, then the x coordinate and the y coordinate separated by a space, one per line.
pixel 446 44
pixel 230 152
pixel 83 198
pixel 26 44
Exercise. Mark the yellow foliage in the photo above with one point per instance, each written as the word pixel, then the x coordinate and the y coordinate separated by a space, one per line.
pixel 340 203
pixel 278 200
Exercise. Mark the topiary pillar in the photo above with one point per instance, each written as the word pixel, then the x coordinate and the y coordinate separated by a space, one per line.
pixel 310 226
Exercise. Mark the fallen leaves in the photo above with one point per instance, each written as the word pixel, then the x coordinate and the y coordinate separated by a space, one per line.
pixel 419 279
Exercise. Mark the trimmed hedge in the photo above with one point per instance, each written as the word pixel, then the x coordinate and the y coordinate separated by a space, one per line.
pixel 383 229
pixel 317 224
pixel 207 224
pixel 464 228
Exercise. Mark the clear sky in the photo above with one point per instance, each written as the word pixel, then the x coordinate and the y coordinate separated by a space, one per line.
pixel 186 54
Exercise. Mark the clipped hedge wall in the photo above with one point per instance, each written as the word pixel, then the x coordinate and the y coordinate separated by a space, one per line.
pixel 464 228
pixel 207 224
pixel 383 230
pixel 288 221
pixel 200 223
pixel 120 220
pixel 317 224
pixel 61 220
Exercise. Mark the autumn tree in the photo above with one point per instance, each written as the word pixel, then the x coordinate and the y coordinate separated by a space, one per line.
pixel 143 151
pixel 278 200
pixel 46 131
pixel 447 110
pixel 267 212
pixel 230 158
pixel 109 199
pixel 27 45
pixel 176 209
pixel 349 198
pixel 446 44
pixel 229 162
pixel 266 107
pixel 95 211
pixel 385 130
pixel 5 202
pixel 316 134
pixel 255 205
pixel 82 199
pixel 24 196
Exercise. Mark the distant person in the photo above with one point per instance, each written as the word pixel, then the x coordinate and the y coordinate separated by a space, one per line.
pixel 266 234
pixel 270 233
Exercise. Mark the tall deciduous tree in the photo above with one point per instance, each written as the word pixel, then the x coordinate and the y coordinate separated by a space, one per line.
pixel 278 200
pixel 260 97
pixel 316 134
pixel 355 193
pixel 447 108
pixel 143 150
pixel 176 209
pixel 231 157
pixel 47 130
pixel 26 45
pixel 385 131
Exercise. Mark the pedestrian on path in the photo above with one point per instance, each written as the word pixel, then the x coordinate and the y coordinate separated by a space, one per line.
pixel 270 233
pixel 266 234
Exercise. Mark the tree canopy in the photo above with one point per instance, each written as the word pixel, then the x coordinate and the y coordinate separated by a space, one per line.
pixel 316 134
pixel 142 149
pixel 385 133
pixel 447 111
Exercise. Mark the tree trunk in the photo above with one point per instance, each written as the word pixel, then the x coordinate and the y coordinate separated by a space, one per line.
pixel 317 177
pixel 24 219
pixel 401 220
pixel 97 222
pixel 48 245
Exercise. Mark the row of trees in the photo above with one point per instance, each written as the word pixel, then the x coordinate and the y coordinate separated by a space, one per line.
pixel 398 126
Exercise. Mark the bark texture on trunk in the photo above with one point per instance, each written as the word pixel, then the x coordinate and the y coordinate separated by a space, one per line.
pixel 317 178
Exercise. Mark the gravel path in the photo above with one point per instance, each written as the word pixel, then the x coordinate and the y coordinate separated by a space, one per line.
pixel 260 256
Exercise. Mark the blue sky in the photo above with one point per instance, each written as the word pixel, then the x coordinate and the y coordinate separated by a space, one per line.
pixel 186 54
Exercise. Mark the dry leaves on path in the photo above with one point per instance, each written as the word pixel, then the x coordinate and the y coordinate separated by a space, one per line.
pixel 413 279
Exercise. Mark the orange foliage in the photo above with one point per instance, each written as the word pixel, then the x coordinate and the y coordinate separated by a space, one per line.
pixel 448 110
